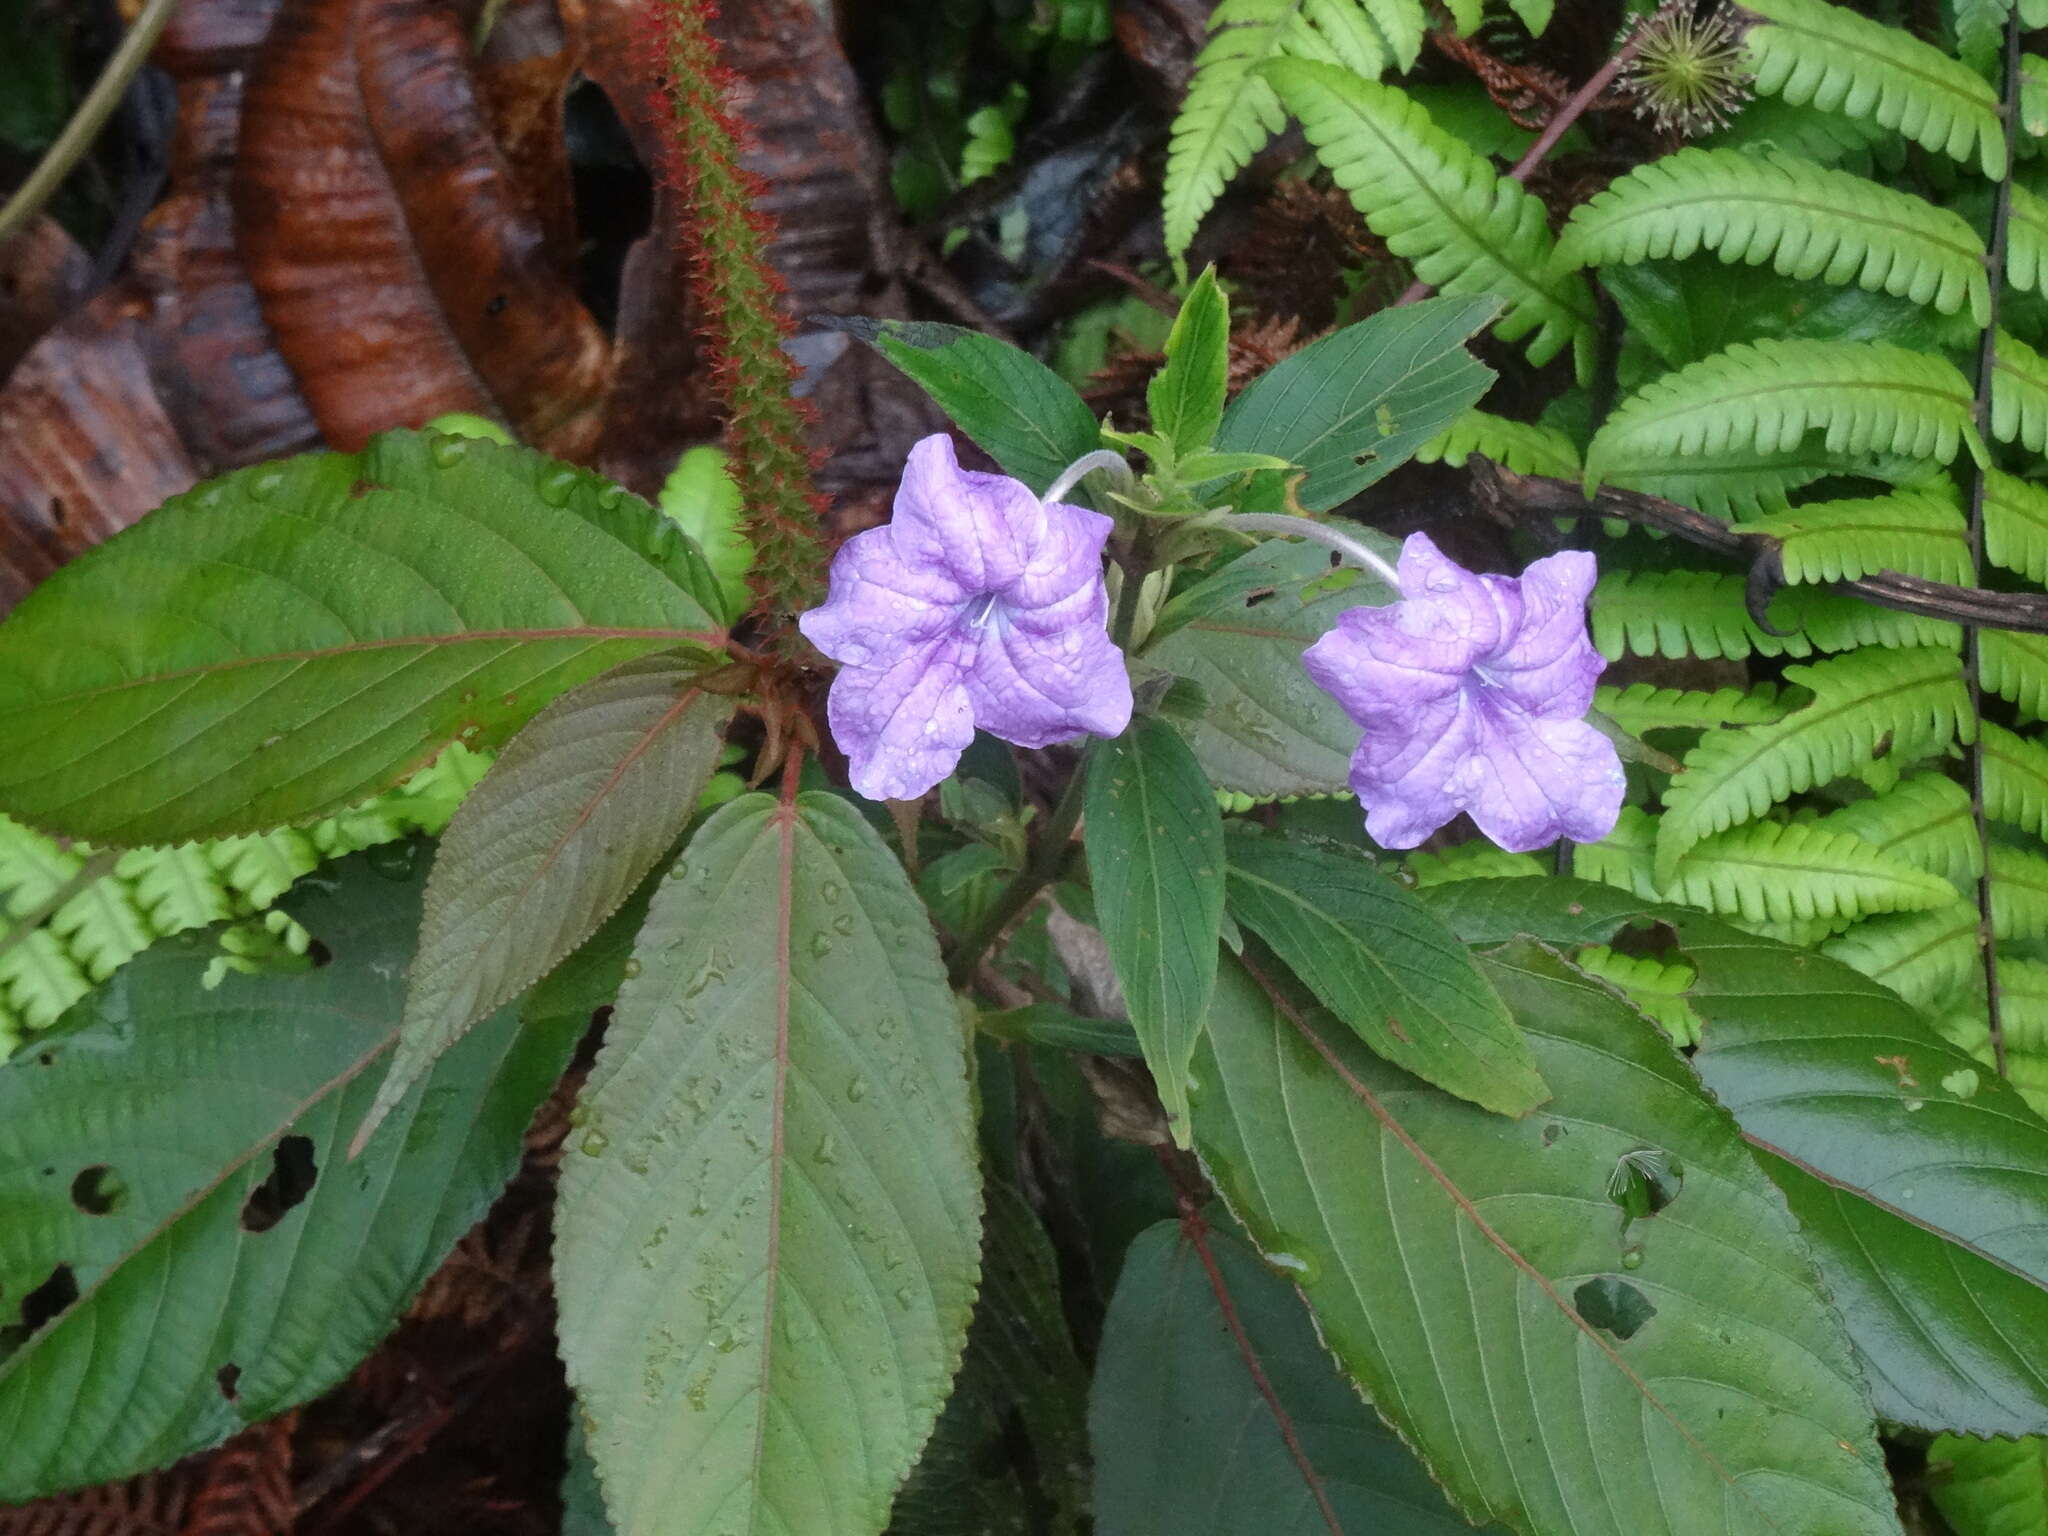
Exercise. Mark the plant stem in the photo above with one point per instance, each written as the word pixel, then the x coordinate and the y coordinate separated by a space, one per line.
pixel 1987 364
pixel 1354 553
pixel 1559 124
pixel 63 156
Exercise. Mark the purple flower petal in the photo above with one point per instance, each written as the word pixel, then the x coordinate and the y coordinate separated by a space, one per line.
pixel 978 605
pixel 903 727
pixel 1471 692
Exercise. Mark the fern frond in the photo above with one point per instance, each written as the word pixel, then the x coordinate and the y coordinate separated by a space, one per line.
pixel 2026 241
pixel 39 979
pixel 1916 533
pixel 1524 447
pixel 1865 397
pixel 1925 821
pixel 1743 482
pixel 2019 394
pixel 2019 893
pixel 1784 872
pixel 1475 860
pixel 1803 219
pixel 1231 110
pixel 1902 704
pixel 1827 56
pixel 2015 666
pixel 1465 228
pixel 1642 707
pixel 1623 857
pixel 1655 987
pixel 2016 525
pixel 1703 613
pixel 2023 1014
pixel 2015 778
pixel 1919 955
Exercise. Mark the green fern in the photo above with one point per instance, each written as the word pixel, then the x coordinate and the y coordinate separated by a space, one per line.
pixel 2015 666
pixel 2019 394
pixel 1643 707
pixel 1922 956
pixel 151 893
pixel 1787 872
pixel 1465 228
pixel 2016 525
pixel 1626 860
pixel 1805 220
pixel 1524 447
pixel 2015 778
pixel 1917 533
pixel 1903 703
pixel 1655 987
pixel 1680 614
pixel 1865 397
pixel 1925 821
pixel 1623 857
pixel 1474 860
pixel 2026 241
pixel 2023 1015
pixel 1744 482
pixel 1231 110
pixel 2019 892
pixel 1815 54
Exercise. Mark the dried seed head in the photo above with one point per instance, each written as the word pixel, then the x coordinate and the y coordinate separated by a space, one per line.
pixel 1689 75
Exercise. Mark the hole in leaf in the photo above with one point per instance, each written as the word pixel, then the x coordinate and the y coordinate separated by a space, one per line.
pixel 1610 1302
pixel 1644 1181
pixel 43 1303
pixel 98 1190
pixel 1551 1132
pixel 292 1172
pixel 319 954
pixel 227 1379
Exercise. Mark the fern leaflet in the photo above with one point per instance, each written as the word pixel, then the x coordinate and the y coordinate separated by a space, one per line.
pixel 1925 821
pixel 1522 446
pixel 1703 613
pixel 1903 704
pixel 2016 525
pixel 2026 241
pixel 1438 204
pixel 1644 707
pixel 1784 872
pixel 2015 666
pixel 2015 779
pixel 1743 482
pixel 1917 533
pixel 1921 956
pixel 1475 860
pixel 1815 54
pixel 1764 396
pixel 1656 989
pixel 1231 111
pixel 2019 394
pixel 1805 220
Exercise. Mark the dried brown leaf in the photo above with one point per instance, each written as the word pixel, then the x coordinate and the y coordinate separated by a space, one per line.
pixel 246 1489
pixel 151 1505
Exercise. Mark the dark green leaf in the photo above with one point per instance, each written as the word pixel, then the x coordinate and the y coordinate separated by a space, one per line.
pixel 566 823
pixel 1384 964
pixel 1920 1178
pixel 1559 1367
pixel 1267 730
pixel 1050 1024
pixel 768 1233
pixel 1025 416
pixel 1155 860
pixel 1357 404
pixel 178 1154
pixel 1188 1441
pixel 1186 396
pixel 291 639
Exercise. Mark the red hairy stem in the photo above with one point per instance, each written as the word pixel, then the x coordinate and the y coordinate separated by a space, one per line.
pixel 738 294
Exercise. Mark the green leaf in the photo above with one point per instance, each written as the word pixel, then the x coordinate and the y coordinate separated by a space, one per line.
pixel 158 1152
pixel 1916 1174
pixel 1155 864
pixel 1465 228
pixel 1990 1487
pixel 1027 418
pixel 703 500
pixel 1560 1366
pixel 292 638
pixel 768 1233
pixel 1355 406
pixel 1186 396
pixel 1917 533
pixel 1268 731
pixel 578 809
pixel 1374 956
pixel 1189 1442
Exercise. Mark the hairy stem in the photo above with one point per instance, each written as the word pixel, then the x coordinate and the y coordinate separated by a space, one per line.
pixel 1987 362
pixel 92 114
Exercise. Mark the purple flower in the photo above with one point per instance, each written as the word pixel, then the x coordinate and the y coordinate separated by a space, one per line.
pixel 1473 692
pixel 977 605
